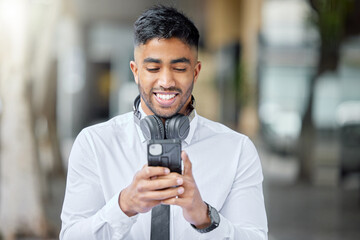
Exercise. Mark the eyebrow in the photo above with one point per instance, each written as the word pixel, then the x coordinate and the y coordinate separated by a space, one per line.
pixel 152 60
pixel 180 60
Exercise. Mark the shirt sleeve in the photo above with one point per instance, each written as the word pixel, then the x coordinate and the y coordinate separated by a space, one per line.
pixel 243 214
pixel 86 214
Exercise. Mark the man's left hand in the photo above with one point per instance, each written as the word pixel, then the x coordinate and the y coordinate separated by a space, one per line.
pixel 194 209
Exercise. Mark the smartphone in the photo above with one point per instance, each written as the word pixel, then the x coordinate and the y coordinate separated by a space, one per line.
pixel 165 153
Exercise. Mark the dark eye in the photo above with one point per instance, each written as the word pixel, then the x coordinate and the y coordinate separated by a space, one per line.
pixel 180 69
pixel 153 69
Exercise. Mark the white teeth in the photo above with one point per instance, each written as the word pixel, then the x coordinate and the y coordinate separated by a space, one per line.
pixel 165 96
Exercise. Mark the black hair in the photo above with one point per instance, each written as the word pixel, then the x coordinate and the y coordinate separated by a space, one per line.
pixel 164 22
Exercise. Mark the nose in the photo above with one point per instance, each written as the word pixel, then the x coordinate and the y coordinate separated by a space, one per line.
pixel 166 79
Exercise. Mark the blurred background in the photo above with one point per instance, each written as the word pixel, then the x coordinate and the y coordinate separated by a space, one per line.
pixel 284 72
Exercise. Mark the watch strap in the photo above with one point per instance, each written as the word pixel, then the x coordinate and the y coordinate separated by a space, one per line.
pixel 214 217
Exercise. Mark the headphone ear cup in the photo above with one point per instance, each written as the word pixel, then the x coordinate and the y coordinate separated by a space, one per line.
pixel 177 127
pixel 152 127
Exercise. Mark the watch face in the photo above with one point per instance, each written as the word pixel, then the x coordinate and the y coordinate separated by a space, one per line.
pixel 215 220
pixel 214 215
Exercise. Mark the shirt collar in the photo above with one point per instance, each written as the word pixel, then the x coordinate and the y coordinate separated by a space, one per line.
pixel 187 140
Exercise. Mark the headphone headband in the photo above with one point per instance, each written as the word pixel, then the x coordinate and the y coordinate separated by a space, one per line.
pixel 137 113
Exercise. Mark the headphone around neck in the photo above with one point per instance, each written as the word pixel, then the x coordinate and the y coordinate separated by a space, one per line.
pixel 176 127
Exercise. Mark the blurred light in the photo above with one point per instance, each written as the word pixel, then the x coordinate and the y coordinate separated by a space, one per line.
pixel 72 71
pixel 13 24
pixel 12 13
pixel 348 113
pixel 268 111
pixel 327 96
pixel 284 22
pixel 44 2
pixel 283 123
pixel 288 124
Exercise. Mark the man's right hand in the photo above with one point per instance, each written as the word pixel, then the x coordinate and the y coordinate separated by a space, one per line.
pixel 149 187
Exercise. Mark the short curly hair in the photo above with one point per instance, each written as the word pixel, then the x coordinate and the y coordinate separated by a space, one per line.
pixel 164 22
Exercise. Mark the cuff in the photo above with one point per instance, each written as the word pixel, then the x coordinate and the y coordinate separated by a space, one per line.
pixel 221 232
pixel 225 230
pixel 116 218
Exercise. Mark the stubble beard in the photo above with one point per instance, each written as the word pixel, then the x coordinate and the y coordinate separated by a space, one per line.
pixel 149 101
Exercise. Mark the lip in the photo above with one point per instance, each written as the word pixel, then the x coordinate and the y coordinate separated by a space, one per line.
pixel 164 102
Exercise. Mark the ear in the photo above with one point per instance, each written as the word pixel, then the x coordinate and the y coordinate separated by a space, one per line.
pixel 197 70
pixel 134 69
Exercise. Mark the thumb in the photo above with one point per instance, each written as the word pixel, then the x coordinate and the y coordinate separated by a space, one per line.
pixel 187 163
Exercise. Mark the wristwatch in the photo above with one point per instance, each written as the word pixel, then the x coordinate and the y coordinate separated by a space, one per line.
pixel 214 217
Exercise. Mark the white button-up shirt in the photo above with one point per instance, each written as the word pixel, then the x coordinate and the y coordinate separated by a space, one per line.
pixel 106 156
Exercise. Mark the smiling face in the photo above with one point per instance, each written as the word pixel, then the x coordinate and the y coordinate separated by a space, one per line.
pixel 165 71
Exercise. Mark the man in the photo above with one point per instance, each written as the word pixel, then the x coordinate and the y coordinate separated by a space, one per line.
pixel 111 191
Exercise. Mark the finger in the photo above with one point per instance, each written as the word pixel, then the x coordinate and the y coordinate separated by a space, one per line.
pixel 171 175
pixel 174 201
pixel 164 194
pixel 159 184
pixel 148 172
pixel 187 163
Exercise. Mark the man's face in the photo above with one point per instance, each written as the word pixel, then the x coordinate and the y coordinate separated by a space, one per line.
pixel 165 71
